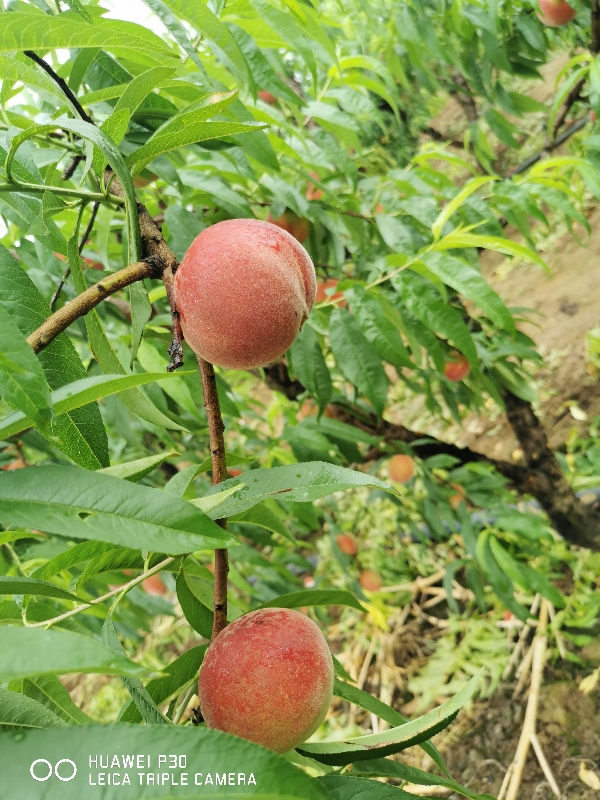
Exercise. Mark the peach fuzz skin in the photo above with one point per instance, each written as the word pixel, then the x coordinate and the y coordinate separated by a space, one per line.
pixel 243 291
pixel 267 678
pixel 555 13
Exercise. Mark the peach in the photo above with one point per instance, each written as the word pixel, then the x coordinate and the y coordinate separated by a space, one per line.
pixel 458 368
pixel 312 191
pixel 234 473
pixel 401 468
pixel 370 580
pixel 323 294
pixel 347 544
pixel 267 97
pixel 243 291
pixel 456 499
pixel 154 585
pixel 593 116
pixel 268 678
pixel 292 223
pixel 555 13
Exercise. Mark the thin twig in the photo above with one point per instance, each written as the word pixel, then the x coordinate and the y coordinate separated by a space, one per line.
pixel 548 774
pixel 523 672
pixel 540 642
pixel 120 589
pixel 82 244
pixel 62 83
pixel 521 641
pixel 86 301
pixel 216 429
pixel 560 642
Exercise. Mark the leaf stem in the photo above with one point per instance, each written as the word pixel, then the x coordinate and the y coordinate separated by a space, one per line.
pixel 34 188
pixel 219 474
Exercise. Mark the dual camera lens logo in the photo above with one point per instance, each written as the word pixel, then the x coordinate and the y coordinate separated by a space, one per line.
pixel 41 770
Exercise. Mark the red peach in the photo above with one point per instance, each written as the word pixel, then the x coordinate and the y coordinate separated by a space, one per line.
pixel 456 499
pixel 268 678
pixel 555 13
pixel 243 290
pixel 312 191
pixel 347 544
pixel 370 580
pixel 154 585
pixel 323 294
pixel 234 473
pixel 18 463
pixel 379 209
pixel 401 468
pixel 292 223
pixel 308 581
pixel 458 368
pixel 593 116
pixel 267 97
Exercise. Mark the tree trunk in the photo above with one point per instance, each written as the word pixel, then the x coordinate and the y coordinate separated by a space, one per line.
pixel 574 521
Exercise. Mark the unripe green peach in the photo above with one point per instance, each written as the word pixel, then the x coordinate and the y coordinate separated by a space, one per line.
pixel 268 678
pixel 243 291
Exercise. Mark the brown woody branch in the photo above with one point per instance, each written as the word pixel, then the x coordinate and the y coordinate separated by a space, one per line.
pixel 86 301
pixel 216 429
pixel 82 244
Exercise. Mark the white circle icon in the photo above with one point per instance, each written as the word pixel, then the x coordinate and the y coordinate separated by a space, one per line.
pixel 51 769
pixel 40 761
pixel 65 761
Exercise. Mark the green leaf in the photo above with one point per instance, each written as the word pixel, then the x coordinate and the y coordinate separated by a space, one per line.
pixel 49 691
pixel 134 470
pixel 457 201
pixel 23 31
pixel 314 597
pixel 177 674
pixel 386 768
pixel 529 579
pixel 176 30
pixel 469 282
pixel 286 28
pixel 80 393
pixel 191 134
pixel 499 581
pixel 377 328
pixel 197 613
pixel 75 503
pixel 365 700
pixel 357 359
pixel 219 38
pixel 141 698
pixel 267 775
pixel 497 244
pixel 80 432
pixel 301 483
pixel 19 711
pixel 17 585
pixel 263 517
pixel 74 555
pixel 391 741
pixel 309 365
pixel 345 787
pixel 34 651
pixel 22 382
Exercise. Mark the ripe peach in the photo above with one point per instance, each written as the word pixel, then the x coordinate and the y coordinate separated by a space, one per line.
pixel 458 368
pixel 267 97
pixel 243 290
pixel 593 116
pixel 456 499
pixel 370 580
pixel 401 468
pixel 268 678
pixel 308 580
pixel 154 585
pixel 18 463
pixel 555 13
pixel 292 223
pixel 347 544
pixel 379 209
pixel 323 294
pixel 234 473
pixel 312 192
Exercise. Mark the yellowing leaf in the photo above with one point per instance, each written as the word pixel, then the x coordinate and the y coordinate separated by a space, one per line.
pixel 589 777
